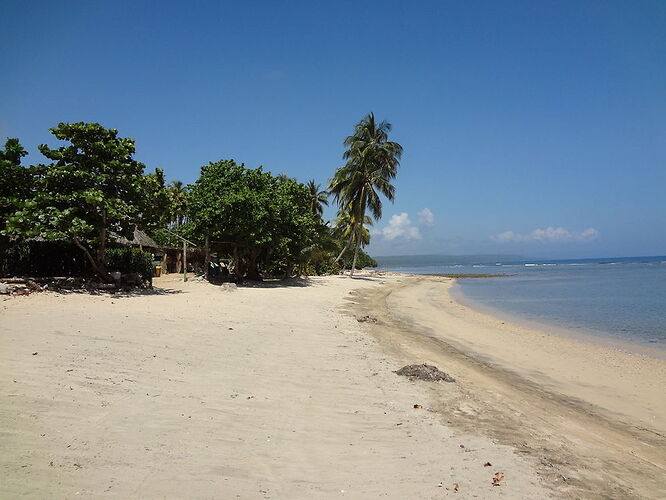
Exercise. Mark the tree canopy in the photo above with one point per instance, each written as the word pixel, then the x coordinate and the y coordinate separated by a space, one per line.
pixel 93 191
pixel 15 180
pixel 93 186
pixel 264 220
pixel 371 164
pixel 318 197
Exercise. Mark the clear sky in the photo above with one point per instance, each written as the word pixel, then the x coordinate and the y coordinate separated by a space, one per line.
pixel 534 127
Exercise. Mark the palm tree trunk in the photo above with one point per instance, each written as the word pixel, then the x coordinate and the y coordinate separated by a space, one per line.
pixel 344 249
pixel 358 245
pixel 359 228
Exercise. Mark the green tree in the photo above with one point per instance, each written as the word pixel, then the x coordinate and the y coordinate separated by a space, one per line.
pixel 363 260
pixel 178 202
pixel 371 164
pixel 347 230
pixel 15 180
pixel 318 197
pixel 154 201
pixel 263 221
pixel 92 187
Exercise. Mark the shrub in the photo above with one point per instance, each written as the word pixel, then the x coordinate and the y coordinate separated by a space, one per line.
pixel 130 260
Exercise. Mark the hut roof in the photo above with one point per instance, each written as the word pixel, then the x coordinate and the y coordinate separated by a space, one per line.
pixel 140 239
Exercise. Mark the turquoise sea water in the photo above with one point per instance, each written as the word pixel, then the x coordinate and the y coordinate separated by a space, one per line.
pixel 620 299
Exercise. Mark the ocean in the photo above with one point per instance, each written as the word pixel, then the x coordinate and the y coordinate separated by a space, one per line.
pixel 617 299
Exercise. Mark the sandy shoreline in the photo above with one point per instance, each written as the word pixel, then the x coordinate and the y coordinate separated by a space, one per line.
pixel 279 392
pixel 579 334
pixel 628 384
pixel 593 414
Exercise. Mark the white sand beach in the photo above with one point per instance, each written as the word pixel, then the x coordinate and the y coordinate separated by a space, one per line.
pixel 278 391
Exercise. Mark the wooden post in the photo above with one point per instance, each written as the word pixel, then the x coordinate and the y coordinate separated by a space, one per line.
pixel 207 260
pixel 184 260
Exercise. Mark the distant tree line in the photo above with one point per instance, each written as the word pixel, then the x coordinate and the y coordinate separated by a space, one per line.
pixel 93 188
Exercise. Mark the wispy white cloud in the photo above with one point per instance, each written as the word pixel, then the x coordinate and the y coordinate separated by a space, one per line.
pixel 426 217
pixel 399 226
pixel 547 235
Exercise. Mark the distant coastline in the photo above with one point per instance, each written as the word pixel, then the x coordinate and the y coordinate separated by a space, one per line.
pixel 425 260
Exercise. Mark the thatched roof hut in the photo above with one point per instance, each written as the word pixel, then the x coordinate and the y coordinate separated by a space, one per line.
pixel 140 239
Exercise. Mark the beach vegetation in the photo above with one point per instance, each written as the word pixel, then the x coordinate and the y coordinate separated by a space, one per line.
pixel 92 187
pixel 318 197
pixel 15 179
pixel 371 163
pixel 92 194
pixel 130 260
pixel 348 232
pixel 177 192
pixel 264 221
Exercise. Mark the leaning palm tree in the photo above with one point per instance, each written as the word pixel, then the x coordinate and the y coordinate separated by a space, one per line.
pixel 371 163
pixel 318 198
pixel 347 230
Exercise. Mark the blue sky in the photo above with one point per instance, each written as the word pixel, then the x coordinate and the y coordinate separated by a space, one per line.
pixel 530 127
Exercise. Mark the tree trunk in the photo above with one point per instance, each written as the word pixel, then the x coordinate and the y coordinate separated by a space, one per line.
pixel 184 261
pixel 207 261
pixel 252 268
pixel 344 249
pixel 351 272
pixel 359 229
pixel 100 271
pixel 101 244
pixel 342 267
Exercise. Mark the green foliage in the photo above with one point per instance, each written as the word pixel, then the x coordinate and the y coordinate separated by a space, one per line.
pixel 262 220
pixel 167 238
pixel 177 203
pixel 371 164
pixel 15 180
pixel 130 260
pixel 363 260
pixel 347 228
pixel 93 186
pixel 154 201
pixel 318 197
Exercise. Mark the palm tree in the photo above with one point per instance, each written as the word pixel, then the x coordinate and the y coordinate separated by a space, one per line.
pixel 318 197
pixel 349 231
pixel 371 163
pixel 178 197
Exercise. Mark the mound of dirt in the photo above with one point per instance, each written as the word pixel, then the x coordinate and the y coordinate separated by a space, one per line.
pixel 425 372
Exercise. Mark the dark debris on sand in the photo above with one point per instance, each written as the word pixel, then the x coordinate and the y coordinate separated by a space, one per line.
pixel 425 372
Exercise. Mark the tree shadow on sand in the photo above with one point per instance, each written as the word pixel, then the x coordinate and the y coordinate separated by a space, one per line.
pixel 301 282
pixel 120 293
pixel 140 292
pixel 360 278
pixel 279 283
